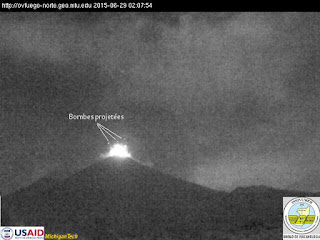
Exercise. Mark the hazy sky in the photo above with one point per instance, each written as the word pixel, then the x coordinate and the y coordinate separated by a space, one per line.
pixel 220 99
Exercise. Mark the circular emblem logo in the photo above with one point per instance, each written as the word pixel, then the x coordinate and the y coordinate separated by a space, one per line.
pixel 6 233
pixel 301 215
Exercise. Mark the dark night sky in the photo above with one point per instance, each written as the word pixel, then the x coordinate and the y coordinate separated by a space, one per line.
pixel 220 99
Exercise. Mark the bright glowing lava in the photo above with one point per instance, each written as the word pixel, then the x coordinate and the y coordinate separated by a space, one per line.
pixel 119 150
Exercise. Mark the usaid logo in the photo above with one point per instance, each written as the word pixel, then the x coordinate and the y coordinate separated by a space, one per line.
pixel 12 233
pixel 6 233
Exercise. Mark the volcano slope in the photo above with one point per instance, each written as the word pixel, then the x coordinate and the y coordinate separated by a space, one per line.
pixel 125 200
pixel 118 199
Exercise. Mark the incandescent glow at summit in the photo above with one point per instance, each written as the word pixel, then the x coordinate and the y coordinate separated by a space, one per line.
pixel 120 151
pixel 117 150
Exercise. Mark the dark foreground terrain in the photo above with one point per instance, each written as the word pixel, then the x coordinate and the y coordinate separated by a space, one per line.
pixel 124 200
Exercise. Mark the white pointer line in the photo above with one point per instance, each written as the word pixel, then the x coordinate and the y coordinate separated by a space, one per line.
pixel 107 129
pixel 103 134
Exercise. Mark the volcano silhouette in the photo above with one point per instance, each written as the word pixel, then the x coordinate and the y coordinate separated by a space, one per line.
pixel 125 200
pixel 113 200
